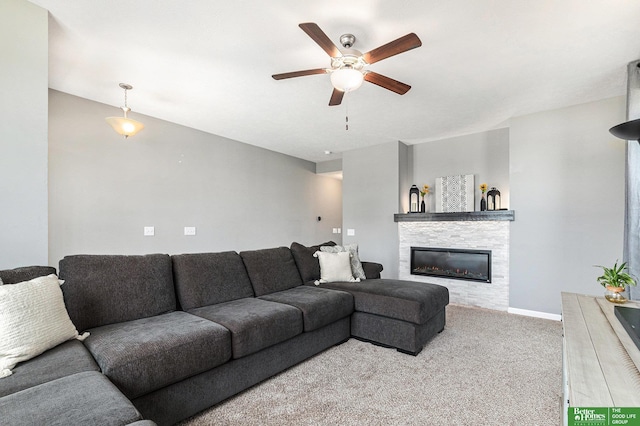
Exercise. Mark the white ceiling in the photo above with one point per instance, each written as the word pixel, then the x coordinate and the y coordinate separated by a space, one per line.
pixel 207 64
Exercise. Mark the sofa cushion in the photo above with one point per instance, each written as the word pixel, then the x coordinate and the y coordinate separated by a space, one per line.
pixel 354 258
pixel 411 301
pixel 271 270
pixel 208 278
pixel 307 264
pixel 86 398
pixel 319 306
pixel 255 324
pixel 143 355
pixel 33 319
pixel 107 289
pixel 64 360
pixel 334 267
pixel 25 273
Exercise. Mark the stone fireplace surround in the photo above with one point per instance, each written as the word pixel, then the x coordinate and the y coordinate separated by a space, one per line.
pixel 473 230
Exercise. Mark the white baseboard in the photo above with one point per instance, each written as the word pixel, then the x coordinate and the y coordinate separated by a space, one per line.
pixel 536 314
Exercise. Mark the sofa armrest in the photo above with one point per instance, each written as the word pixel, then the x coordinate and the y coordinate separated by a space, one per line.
pixel 372 270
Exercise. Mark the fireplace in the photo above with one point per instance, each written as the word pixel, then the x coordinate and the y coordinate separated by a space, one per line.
pixel 473 265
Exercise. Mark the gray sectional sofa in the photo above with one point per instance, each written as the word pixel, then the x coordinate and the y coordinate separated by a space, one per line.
pixel 173 335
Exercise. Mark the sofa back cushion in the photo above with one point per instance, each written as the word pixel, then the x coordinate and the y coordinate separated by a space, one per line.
pixel 307 264
pixel 107 289
pixel 25 273
pixel 271 270
pixel 203 279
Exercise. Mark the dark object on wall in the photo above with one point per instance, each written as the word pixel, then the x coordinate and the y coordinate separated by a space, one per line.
pixel 629 131
pixel 414 198
pixel 493 199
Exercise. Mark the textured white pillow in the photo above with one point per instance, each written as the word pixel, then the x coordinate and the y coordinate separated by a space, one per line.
pixel 334 267
pixel 356 266
pixel 33 319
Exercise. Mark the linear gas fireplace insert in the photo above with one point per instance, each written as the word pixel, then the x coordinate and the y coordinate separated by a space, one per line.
pixel 474 265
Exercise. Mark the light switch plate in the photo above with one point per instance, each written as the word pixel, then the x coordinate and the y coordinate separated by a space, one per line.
pixel 149 231
pixel 189 230
pixel 351 232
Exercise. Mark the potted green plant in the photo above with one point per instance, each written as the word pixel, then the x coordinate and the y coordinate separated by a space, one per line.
pixel 615 280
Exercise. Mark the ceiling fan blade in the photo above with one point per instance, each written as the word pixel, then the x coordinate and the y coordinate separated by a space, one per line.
pixel 314 31
pixel 387 83
pixel 299 73
pixel 336 97
pixel 400 45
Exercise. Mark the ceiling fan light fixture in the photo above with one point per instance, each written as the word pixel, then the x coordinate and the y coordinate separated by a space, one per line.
pixel 125 126
pixel 346 79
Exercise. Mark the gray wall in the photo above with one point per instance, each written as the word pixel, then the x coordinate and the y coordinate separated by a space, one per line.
pixel 567 189
pixel 484 155
pixel 561 171
pixel 370 199
pixel 23 133
pixel 377 181
pixel 104 189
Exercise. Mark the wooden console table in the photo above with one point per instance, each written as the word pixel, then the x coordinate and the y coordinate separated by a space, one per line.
pixel 600 362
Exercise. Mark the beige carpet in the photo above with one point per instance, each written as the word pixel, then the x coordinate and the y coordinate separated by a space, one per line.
pixel 486 368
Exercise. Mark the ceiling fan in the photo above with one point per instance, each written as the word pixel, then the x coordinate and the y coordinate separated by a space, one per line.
pixel 348 66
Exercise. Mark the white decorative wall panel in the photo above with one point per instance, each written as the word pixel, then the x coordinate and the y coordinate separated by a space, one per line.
pixel 455 194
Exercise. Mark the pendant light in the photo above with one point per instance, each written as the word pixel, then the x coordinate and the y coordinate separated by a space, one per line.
pixel 124 125
pixel 629 131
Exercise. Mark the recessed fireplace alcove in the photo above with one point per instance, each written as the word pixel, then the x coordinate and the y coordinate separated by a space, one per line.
pixel 484 231
pixel 472 265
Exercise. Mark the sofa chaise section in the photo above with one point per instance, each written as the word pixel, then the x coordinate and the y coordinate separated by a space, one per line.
pixel 401 314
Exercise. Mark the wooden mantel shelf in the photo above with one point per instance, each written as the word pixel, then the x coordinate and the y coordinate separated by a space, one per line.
pixel 461 216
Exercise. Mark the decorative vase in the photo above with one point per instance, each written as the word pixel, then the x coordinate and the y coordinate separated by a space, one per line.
pixel 483 203
pixel 614 294
pixel 423 207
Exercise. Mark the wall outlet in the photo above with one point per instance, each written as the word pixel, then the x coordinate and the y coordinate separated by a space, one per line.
pixel 339 230
pixel 189 230
pixel 351 232
pixel 149 231
pixel 335 230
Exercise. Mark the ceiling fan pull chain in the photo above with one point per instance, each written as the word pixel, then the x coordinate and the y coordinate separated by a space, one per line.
pixel 346 117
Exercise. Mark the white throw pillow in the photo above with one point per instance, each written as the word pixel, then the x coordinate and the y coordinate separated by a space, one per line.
pixel 33 319
pixel 356 266
pixel 334 267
